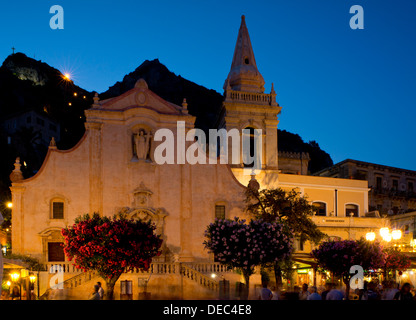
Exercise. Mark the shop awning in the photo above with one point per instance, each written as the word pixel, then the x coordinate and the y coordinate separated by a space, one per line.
pixel 305 260
pixel 13 264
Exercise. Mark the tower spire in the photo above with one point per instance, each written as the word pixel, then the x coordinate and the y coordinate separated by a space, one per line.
pixel 244 75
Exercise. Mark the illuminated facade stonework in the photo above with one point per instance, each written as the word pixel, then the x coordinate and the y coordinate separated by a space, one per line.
pixel 113 169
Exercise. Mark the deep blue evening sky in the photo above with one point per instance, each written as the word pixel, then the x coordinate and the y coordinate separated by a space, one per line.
pixel 353 91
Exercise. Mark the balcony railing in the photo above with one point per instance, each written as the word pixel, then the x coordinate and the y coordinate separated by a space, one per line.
pixel 394 192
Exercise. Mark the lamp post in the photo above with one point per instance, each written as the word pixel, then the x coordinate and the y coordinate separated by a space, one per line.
pixel 32 279
pixel 15 277
pixel 385 234
pixel 396 234
pixel 370 236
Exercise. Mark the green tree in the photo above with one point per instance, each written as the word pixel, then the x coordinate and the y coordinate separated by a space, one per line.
pixel 287 207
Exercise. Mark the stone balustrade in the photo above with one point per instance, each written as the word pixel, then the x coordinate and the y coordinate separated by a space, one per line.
pixel 198 272
pixel 262 98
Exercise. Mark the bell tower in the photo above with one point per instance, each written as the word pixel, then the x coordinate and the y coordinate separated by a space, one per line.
pixel 246 106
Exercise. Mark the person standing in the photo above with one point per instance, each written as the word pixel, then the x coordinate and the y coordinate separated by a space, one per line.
pixel 265 293
pixel 313 294
pixel 370 292
pixel 95 295
pixel 275 293
pixel 334 294
pixel 100 291
pixel 404 293
pixel 328 287
pixel 15 293
pixel 390 291
pixel 304 293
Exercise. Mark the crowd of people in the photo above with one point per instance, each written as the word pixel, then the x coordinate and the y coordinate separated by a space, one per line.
pixel 388 290
pixel 15 294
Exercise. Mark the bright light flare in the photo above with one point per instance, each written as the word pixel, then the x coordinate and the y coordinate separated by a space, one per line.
pixel 384 232
pixel 9 205
pixel 370 236
pixel 396 234
pixel 15 276
pixel 387 237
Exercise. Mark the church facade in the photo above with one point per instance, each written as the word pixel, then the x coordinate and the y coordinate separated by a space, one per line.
pixel 113 169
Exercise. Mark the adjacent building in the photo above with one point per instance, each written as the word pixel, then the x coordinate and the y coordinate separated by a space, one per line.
pixel 392 190
pixel 43 127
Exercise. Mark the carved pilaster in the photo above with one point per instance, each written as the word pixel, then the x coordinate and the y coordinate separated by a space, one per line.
pixel 18 231
pixel 186 214
pixel 271 151
pixel 95 162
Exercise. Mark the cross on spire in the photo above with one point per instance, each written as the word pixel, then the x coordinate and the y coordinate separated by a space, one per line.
pixel 13 48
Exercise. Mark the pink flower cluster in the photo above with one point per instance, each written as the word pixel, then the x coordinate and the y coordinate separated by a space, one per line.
pixel 244 245
pixel 339 256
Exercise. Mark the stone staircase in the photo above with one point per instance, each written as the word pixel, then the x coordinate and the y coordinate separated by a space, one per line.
pixel 198 273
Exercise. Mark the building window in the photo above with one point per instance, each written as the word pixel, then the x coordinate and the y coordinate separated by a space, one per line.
pixel 351 210
pixel 379 183
pixel 220 212
pixel 126 290
pixel 410 186
pixel 251 141
pixel 395 184
pixel 52 127
pixel 57 210
pixel 40 122
pixel 319 208
pixel 56 251
pixel 361 175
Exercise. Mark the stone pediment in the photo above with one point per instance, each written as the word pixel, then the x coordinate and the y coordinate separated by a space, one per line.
pixel 138 97
pixel 155 215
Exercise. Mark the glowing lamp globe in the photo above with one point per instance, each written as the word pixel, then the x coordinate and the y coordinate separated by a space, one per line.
pixel 370 236
pixel 396 234
pixel 387 237
pixel 384 232
pixel 15 276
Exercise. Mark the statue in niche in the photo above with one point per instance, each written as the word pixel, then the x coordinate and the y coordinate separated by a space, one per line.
pixel 142 143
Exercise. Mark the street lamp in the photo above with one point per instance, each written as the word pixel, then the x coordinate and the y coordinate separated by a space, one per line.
pixel 396 234
pixel 9 205
pixel 15 276
pixel 370 236
pixel 32 279
pixel 384 232
pixel 387 237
